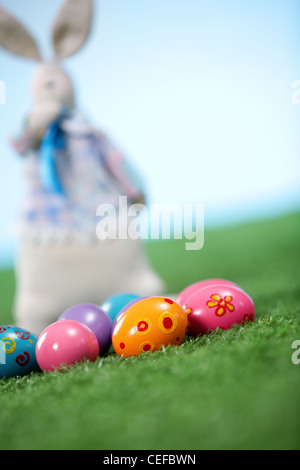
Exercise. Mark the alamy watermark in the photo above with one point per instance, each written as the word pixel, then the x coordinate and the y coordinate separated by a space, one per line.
pixel 2 92
pixel 296 354
pixel 2 353
pixel 158 221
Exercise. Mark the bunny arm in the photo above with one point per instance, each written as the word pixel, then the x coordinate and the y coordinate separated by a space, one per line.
pixel 25 139
pixel 33 127
pixel 120 168
pixel 115 162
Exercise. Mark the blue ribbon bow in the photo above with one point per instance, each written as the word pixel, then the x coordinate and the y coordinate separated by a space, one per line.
pixel 53 140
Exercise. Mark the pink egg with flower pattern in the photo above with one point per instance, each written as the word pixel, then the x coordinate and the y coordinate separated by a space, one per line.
pixel 192 288
pixel 218 306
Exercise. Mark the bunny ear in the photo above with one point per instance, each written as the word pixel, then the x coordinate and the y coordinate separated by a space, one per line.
pixel 71 27
pixel 15 38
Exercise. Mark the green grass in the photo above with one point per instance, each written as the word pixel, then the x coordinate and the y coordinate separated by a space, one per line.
pixel 235 389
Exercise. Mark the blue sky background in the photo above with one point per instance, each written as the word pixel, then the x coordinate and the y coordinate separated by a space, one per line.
pixel 198 93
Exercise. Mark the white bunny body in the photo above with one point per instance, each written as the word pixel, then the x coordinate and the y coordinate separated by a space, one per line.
pixel 60 260
pixel 50 279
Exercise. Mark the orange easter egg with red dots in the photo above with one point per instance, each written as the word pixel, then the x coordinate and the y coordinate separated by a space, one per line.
pixel 148 325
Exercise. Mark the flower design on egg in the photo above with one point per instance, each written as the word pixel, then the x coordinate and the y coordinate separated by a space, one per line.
pixel 187 309
pixel 221 304
pixel 248 317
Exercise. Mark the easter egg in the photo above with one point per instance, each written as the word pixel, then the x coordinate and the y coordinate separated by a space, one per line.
pixel 218 306
pixel 192 288
pixel 17 351
pixel 95 318
pixel 65 342
pixel 113 305
pixel 124 310
pixel 148 325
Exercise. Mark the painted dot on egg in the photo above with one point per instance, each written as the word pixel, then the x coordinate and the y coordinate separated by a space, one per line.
pixel 147 346
pixel 143 326
pixel 167 322
pixel 169 301
pixel 122 345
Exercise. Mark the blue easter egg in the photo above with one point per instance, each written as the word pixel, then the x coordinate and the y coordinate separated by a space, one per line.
pixel 113 305
pixel 17 351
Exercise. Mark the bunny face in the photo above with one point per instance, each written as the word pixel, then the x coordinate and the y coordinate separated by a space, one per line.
pixel 51 83
pixel 52 89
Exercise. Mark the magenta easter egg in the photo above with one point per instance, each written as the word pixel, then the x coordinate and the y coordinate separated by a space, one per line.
pixel 65 342
pixel 192 288
pixel 218 306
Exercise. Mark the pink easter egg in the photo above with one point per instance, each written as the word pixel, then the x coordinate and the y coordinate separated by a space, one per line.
pixel 218 306
pixel 192 288
pixel 65 342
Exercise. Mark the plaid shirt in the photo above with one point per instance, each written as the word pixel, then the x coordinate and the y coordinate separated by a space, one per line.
pixel 90 171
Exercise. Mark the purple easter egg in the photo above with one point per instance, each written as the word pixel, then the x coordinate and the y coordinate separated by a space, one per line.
pixel 93 317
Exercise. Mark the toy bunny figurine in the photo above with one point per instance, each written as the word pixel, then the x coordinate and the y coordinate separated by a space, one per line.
pixel 70 169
